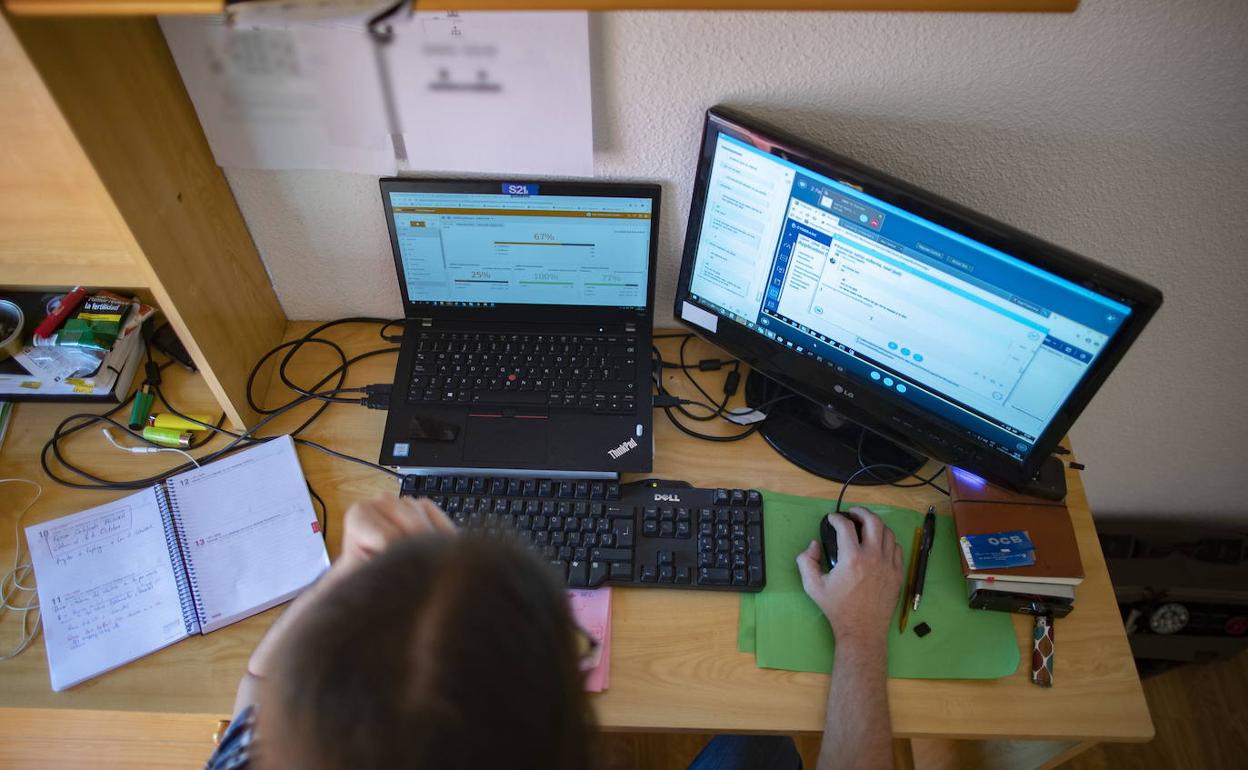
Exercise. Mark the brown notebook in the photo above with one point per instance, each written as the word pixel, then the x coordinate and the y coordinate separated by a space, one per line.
pixel 1048 526
pixel 982 509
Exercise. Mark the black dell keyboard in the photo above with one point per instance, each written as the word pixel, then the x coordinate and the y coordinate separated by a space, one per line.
pixel 649 533
pixel 576 371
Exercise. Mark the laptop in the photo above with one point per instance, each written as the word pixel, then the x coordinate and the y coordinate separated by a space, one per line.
pixel 528 311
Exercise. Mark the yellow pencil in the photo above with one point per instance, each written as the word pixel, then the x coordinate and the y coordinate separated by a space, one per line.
pixel 907 588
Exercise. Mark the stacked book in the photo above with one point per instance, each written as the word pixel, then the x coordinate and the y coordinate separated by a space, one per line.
pixel 1019 553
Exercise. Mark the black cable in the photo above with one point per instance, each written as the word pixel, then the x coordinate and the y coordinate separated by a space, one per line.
pixel 391 337
pixel 921 481
pixel 296 345
pixel 717 410
pixel 689 376
pixel 53 444
pixel 868 469
pixel 708 437
pixel 77 422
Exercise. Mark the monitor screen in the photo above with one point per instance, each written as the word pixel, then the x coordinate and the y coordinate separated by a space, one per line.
pixel 916 313
pixel 477 249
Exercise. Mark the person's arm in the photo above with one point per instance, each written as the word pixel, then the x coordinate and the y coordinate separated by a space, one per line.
pixel 369 528
pixel 857 597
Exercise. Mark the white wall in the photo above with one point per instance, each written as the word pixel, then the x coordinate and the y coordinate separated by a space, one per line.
pixel 1120 131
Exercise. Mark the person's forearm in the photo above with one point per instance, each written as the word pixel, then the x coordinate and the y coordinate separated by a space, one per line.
pixel 857 732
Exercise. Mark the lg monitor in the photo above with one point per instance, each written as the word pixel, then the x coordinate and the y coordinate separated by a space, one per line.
pixel 903 324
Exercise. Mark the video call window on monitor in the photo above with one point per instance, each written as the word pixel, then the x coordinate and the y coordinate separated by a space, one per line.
pixel 914 311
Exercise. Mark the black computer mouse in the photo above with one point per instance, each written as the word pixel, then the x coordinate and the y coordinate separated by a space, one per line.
pixel 827 536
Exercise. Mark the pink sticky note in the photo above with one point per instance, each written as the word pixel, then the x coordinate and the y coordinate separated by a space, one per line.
pixel 591 610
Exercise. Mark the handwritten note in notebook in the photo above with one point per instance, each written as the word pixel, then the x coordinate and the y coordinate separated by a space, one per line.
pixel 203 550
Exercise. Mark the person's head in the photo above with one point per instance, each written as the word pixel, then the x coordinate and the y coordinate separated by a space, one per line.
pixel 441 652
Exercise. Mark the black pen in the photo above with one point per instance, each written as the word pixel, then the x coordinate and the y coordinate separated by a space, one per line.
pixel 925 548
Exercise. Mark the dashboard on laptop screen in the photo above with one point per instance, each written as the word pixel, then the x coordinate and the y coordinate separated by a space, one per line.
pixel 473 249
pixel 918 312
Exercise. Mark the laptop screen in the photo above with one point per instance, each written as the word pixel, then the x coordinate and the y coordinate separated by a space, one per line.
pixel 471 249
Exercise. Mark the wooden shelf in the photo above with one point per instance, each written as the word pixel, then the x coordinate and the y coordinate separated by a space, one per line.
pixel 26 275
pixel 108 182
pixel 150 7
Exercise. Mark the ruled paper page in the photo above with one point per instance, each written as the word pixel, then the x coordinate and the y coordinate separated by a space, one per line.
pixel 106 584
pixel 250 534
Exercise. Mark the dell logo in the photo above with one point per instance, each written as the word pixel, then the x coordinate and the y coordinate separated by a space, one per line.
pixel 622 449
pixel 667 498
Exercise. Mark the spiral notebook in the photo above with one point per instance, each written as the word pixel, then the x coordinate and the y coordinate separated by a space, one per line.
pixel 205 549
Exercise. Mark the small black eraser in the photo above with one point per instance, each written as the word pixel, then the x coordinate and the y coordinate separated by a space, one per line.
pixel 922 630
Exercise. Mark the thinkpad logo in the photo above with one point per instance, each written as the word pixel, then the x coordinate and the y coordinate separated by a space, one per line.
pixel 661 498
pixel 622 449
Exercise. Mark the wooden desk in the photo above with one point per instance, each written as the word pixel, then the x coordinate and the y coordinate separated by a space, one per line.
pixel 675 664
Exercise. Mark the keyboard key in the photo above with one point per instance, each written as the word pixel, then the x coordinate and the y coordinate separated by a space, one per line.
pixel 621 570
pixel 710 576
pixel 598 572
pixel 578 574
pixel 754 576
pixel 623 532
pixel 613 554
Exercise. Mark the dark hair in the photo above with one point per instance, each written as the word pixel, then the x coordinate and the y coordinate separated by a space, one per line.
pixel 440 653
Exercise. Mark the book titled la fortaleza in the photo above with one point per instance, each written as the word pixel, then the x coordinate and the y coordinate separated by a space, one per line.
pixel 205 549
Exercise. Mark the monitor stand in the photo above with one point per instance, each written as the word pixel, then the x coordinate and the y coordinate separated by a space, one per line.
pixel 823 441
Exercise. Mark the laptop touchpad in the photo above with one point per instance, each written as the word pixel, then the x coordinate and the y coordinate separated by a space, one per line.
pixel 511 441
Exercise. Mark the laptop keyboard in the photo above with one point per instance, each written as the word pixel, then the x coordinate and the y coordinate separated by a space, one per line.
pixel 594 372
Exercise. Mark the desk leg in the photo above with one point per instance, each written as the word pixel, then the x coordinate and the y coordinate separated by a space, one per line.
pixel 992 755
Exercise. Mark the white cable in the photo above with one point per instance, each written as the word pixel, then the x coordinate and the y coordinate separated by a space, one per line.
pixel 145 450
pixel 11 582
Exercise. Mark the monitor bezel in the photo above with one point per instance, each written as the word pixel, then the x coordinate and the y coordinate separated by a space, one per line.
pixel 869 406
pixel 517 312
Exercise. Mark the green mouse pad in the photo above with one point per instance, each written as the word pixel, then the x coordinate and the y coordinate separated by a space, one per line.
pixel 785 630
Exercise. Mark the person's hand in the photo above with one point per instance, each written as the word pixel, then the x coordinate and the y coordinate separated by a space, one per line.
pixel 369 527
pixel 372 525
pixel 859 594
